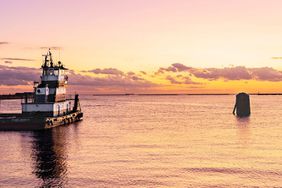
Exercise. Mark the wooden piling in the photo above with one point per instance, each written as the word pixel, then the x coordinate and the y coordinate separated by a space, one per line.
pixel 242 105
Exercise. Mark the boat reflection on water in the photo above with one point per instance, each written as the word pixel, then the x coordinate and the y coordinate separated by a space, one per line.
pixel 49 157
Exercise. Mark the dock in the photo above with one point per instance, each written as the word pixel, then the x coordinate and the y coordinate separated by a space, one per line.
pixel 16 96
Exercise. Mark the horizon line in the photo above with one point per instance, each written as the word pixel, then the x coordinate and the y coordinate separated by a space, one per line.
pixel 127 94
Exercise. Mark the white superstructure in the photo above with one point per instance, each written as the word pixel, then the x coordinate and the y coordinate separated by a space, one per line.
pixel 50 94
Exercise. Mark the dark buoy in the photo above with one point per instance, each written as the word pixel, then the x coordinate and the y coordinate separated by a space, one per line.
pixel 242 105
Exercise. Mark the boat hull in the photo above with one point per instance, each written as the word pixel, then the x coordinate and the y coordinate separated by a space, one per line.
pixel 19 122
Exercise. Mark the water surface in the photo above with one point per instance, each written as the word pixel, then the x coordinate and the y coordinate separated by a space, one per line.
pixel 150 141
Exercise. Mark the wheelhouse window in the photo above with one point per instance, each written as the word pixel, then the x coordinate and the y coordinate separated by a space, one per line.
pixel 56 72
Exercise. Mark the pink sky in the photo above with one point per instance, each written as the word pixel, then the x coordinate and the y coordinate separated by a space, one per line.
pixel 143 35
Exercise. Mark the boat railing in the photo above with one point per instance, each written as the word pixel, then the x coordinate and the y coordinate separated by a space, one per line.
pixel 27 100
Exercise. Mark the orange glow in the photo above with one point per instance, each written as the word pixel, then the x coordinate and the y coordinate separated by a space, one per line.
pixel 144 36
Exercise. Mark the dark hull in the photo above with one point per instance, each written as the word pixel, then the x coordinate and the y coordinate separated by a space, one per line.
pixel 19 122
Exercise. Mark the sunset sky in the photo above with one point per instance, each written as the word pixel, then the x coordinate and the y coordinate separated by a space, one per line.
pixel 145 46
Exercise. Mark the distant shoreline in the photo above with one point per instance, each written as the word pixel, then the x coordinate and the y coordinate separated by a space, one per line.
pixel 21 95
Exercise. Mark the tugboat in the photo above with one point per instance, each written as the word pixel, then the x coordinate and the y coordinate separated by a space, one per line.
pixel 47 106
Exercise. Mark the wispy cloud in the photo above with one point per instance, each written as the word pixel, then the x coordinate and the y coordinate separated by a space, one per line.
pixel 229 73
pixel 2 42
pixel 112 81
pixel 51 47
pixel 181 79
pixel 8 62
pixel 176 67
pixel 106 71
pixel 16 59
pixel 276 57
pixel 172 80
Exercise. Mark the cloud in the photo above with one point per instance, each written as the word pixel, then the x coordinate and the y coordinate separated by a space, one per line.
pixel 110 82
pixel 172 80
pixel 163 70
pixel 239 73
pixel 229 73
pixel 266 73
pixel 226 73
pixel 143 72
pixel 51 48
pixel 180 79
pixel 111 71
pixel 16 59
pixel 176 67
pixel 18 75
pixel 106 80
pixel 112 77
pixel 188 80
pixel 133 76
pixel 180 67
pixel 276 58
pixel 12 76
pixel 8 62
pixel 2 42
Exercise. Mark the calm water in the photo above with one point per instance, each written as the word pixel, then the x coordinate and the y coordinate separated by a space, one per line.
pixel 151 141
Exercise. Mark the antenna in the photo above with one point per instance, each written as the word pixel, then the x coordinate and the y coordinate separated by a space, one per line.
pixel 50 56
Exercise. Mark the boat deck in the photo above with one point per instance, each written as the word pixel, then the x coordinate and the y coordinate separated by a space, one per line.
pixel 20 122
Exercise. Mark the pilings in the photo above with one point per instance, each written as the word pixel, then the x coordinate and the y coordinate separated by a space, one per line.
pixel 242 105
pixel 76 105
